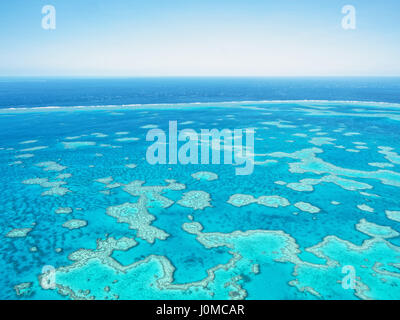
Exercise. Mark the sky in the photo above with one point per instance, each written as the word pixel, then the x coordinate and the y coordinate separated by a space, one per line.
pixel 200 38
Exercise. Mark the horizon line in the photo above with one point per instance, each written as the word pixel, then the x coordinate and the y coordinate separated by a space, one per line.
pixel 200 76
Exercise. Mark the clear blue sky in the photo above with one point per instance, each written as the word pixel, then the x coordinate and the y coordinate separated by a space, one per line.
pixel 199 37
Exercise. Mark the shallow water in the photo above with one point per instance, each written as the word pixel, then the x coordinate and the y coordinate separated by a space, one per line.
pixel 336 164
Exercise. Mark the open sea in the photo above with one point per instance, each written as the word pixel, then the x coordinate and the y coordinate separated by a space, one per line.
pixel 84 214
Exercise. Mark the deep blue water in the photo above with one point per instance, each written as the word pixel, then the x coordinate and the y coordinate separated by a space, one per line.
pixel 42 92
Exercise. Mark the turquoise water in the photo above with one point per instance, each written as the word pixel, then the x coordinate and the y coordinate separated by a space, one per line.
pixel 70 199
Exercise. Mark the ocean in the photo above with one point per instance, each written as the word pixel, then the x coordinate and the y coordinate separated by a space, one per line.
pixel 44 92
pixel 87 214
